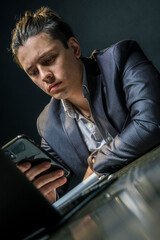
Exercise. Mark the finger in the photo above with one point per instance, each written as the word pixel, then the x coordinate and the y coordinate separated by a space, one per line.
pixel 36 170
pixel 23 167
pixel 51 186
pixel 51 196
pixel 49 177
pixel 88 173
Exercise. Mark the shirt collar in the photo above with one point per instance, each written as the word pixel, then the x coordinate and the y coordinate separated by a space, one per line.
pixel 68 108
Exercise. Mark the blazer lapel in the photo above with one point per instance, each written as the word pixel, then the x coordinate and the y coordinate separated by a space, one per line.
pixel 74 136
pixel 97 104
pixel 105 125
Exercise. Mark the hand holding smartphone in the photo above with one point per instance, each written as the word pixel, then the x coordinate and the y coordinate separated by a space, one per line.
pixel 22 149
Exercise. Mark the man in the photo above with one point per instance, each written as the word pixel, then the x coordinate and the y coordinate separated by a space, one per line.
pixel 106 105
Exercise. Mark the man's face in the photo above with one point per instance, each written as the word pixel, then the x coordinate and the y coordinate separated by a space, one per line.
pixel 52 67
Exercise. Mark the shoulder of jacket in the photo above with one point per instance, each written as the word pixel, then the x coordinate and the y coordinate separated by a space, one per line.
pixel 45 109
pixel 121 46
pixel 120 54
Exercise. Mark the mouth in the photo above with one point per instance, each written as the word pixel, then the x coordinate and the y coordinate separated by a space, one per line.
pixel 54 86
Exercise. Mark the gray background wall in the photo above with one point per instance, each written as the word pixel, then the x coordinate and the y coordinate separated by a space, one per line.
pixel 96 23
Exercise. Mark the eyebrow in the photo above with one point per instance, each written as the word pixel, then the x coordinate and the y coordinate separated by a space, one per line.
pixel 42 56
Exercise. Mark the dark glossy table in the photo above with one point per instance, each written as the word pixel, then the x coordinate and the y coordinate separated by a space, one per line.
pixel 129 209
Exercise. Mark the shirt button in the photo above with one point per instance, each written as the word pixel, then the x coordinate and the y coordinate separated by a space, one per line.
pixel 90 125
pixel 109 139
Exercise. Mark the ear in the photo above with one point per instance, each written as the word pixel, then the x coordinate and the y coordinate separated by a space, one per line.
pixel 73 44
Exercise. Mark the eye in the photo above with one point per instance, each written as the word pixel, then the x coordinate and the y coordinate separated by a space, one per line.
pixel 49 60
pixel 34 72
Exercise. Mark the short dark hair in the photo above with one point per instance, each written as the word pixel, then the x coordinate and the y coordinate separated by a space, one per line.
pixel 43 20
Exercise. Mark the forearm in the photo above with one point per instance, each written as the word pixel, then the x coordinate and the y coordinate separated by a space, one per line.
pixel 138 138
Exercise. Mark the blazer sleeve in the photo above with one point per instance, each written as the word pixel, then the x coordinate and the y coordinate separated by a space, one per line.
pixel 141 85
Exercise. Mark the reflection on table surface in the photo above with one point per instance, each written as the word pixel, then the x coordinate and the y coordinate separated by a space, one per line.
pixel 128 209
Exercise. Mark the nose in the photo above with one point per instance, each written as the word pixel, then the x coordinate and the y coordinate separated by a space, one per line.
pixel 46 75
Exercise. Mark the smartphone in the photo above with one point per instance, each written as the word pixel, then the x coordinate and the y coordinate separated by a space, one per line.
pixel 23 149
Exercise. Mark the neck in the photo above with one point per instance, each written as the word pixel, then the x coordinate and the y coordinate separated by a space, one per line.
pixel 79 102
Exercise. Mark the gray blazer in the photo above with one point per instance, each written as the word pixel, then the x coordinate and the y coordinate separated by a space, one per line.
pixel 124 95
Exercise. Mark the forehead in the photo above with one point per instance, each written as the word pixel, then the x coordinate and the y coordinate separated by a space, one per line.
pixel 35 47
